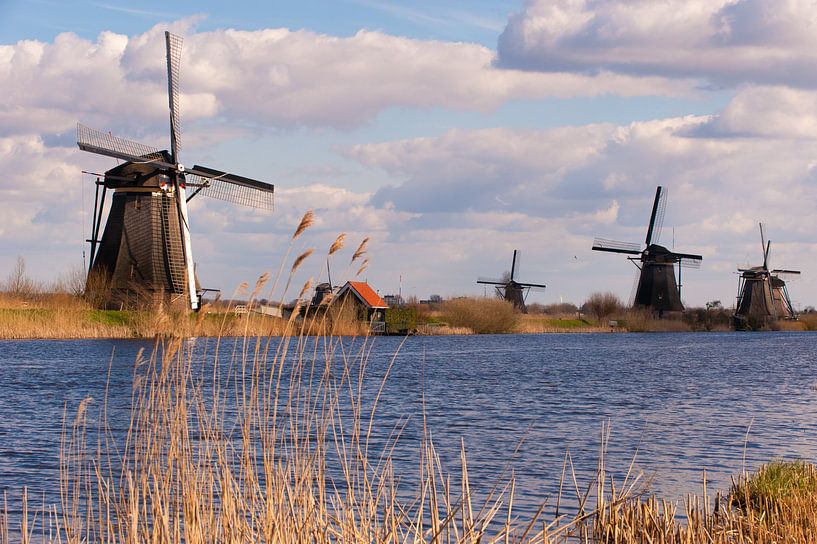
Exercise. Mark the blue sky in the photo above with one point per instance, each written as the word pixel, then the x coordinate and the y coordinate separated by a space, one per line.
pixel 450 133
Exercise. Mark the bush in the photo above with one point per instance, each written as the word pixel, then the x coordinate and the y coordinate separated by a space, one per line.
pixel 401 320
pixel 709 318
pixel 481 315
pixel 602 305
pixel 773 486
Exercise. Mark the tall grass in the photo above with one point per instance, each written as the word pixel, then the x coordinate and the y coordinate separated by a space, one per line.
pixel 480 315
pixel 275 443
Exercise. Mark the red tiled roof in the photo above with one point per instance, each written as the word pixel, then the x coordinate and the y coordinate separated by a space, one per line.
pixel 367 294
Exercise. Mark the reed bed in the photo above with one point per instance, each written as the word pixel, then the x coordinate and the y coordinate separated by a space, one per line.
pixel 481 315
pixel 274 443
pixel 539 324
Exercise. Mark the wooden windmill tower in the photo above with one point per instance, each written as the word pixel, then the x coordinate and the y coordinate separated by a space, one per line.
pixel 511 290
pixel 657 287
pixel 145 250
pixel 762 293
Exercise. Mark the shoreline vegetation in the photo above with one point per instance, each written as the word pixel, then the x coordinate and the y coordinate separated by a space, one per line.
pixel 62 315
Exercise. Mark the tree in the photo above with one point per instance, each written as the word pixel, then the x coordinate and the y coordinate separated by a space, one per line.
pixel 18 283
pixel 602 305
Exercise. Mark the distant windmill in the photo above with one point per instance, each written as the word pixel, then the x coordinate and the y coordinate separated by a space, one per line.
pixel 657 288
pixel 145 248
pixel 762 294
pixel 511 290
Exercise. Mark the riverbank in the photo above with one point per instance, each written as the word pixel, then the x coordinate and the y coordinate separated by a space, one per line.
pixel 62 316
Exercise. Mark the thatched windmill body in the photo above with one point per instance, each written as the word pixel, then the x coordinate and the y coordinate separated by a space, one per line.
pixel 658 289
pixel 144 254
pixel 762 293
pixel 510 289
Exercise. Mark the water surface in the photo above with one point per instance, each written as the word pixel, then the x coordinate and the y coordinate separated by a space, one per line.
pixel 683 402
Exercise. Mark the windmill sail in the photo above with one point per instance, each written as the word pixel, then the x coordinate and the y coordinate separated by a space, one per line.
pixel 144 256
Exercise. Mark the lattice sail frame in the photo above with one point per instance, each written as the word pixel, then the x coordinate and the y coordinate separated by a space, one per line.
pixel 105 143
pixel 232 192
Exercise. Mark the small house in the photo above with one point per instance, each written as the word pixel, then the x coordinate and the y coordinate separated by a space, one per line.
pixel 368 305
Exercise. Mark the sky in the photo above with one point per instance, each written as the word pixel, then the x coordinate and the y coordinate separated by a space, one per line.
pixel 449 133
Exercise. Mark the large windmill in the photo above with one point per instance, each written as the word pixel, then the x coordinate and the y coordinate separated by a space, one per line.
pixel 657 288
pixel 145 250
pixel 511 290
pixel 762 294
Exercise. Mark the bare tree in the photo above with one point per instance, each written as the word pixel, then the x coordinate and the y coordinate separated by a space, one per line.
pixel 17 282
pixel 602 305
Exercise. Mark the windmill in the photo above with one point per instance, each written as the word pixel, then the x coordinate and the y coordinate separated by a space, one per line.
pixel 762 294
pixel 145 248
pixel 657 288
pixel 511 290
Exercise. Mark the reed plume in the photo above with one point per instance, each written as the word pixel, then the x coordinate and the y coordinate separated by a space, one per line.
pixel 337 244
pixel 363 267
pixel 259 284
pixel 361 249
pixel 301 258
pixel 306 222
pixel 305 288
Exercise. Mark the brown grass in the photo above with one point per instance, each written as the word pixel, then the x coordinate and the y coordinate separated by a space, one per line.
pixel 642 321
pixel 539 324
pixel 480 315
pixel 781 513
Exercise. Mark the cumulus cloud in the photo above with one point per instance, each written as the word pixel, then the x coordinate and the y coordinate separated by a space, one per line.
pixel 265 77
pixel 770 112
pixel 723 42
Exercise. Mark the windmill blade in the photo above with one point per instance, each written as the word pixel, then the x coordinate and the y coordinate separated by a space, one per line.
pixel 687 256
pixel 212 173
pixel 690 263
pixel 104 143
pixel 763 247
pixel 174 54
pixel 766 254
pixel 655 206
pixel 615 246
pixel 491 281
pixel 659 218
pixel 532 285
pixel 514 261
pixel 782 271
pixel 222 189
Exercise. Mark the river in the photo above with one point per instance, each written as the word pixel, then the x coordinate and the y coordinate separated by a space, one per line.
pixel 683 402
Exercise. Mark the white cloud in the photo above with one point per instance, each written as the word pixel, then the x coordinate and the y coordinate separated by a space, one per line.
pixel 270 76
pixel 771 112
pixel 725 42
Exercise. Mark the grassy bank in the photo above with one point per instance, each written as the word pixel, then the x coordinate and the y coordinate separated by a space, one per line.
pixel 58 316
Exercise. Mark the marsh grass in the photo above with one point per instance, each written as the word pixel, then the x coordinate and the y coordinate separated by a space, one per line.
pixel 777 504
pixel 480 315
pixel 539 323
pixel 770 490
pixel 273 444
